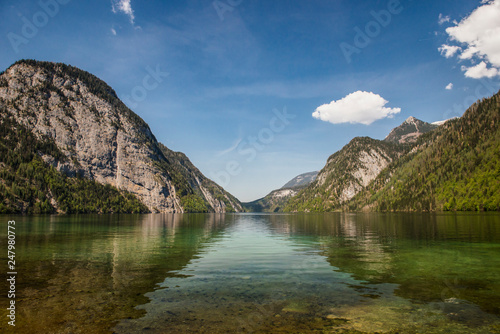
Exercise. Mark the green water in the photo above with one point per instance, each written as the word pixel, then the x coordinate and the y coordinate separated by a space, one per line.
pixel 251 273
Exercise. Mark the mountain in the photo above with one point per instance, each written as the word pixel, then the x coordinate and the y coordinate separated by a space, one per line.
pixel 454 167
pixel 81 132
pixel 277 199
pixel 409 131
pixel 346 172
pixel 303 180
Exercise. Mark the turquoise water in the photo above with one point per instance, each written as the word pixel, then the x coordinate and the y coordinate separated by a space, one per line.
pixel 257 273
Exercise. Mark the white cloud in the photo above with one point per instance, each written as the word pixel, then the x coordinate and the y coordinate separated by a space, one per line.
pixel 358 107
pixel 123 6
pixel 449 50
pixel 449 86
pixel 481 70
pixel 480 34
pixel 469 53
pixel 113 31
pixel 443 19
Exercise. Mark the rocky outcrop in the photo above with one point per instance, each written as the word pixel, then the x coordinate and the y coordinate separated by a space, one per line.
pixel 102 139
pixel 409 131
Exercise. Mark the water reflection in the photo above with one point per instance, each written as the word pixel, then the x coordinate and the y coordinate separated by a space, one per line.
pixel 83 273
pixel 258 273
pixel 289 273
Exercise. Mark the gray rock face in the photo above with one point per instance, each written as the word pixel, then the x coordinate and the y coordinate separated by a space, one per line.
pixel 301 181
pixel 409 131
pixel 101 138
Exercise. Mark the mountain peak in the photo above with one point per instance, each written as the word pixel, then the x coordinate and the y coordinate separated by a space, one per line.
pixel 95 85
pixel 409 131
pixel 412 120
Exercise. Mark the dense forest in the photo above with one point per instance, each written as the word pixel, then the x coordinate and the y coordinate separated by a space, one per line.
pixel 29 185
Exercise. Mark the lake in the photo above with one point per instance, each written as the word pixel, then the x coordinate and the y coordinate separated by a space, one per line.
pixel 256 273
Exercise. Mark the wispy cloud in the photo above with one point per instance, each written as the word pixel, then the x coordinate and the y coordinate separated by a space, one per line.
pixel 443 19
pixel 480 34
pixel 449 86
pixel 358 107
pixel 123 6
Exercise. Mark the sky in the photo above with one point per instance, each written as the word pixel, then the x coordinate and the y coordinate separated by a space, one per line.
pixel 256 92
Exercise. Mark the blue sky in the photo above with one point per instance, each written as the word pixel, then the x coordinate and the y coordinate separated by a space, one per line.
pixel 237 81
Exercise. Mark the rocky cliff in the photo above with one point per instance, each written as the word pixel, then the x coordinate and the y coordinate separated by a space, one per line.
pixel 346 173
pixel 102 140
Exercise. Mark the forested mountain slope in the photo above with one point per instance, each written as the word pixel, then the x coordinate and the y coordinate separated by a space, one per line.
pixel 455 167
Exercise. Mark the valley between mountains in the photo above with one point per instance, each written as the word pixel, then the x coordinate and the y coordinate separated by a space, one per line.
pixel 69 145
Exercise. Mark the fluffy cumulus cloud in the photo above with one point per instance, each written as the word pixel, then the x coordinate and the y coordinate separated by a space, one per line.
pixel 358 107
pixel 481 70
pixel 449 86
pixel 479 38
pixel 125 7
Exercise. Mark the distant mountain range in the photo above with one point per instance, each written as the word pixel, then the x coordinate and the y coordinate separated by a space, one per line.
pixel 277 199
pixel 303 180
pixel 68 144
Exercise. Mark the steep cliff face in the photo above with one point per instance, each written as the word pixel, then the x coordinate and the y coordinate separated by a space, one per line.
pixel 102 140
pixel 346 173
